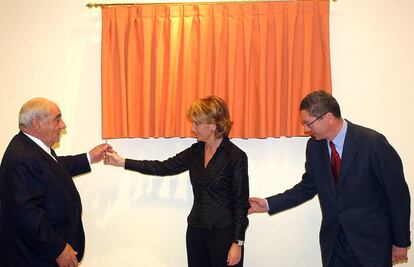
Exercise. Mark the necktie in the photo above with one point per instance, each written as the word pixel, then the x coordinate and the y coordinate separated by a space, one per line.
pixel 53 153
pixel 335 162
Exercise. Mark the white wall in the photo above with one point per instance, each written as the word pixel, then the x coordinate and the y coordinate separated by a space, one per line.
pixel 52 49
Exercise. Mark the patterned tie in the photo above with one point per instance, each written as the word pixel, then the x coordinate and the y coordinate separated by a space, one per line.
pixel 335 162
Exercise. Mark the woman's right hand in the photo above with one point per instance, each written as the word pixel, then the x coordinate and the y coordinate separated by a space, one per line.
pixel 112 158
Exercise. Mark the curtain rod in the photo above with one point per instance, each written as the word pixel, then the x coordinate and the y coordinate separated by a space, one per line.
pixel 103 5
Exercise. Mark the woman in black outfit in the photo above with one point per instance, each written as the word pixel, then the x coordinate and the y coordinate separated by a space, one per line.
pixel 218 172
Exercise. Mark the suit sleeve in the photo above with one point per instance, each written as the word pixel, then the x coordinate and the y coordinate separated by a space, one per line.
pixel 25 197
pixel 389 170
pixel 298 194
pixel 75 165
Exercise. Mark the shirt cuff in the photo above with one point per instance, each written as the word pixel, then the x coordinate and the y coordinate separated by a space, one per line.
pixel 267 205
pixel 89 158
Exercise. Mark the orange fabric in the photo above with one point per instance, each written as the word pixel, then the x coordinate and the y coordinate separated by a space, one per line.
pixel 260 57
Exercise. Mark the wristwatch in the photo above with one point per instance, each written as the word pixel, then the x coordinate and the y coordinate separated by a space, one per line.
pixel 238 242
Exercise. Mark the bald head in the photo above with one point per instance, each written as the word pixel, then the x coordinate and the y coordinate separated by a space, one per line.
pixel 41 118
pixel 34 108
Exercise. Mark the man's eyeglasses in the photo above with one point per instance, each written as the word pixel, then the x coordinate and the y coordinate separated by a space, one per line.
pixel 309 124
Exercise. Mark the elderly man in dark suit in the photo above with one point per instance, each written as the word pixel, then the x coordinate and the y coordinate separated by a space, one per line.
pixel 40 222
pixel 359 179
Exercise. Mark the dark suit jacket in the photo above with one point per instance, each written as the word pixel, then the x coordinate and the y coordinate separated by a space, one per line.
pixel 371 201
pixel 40 206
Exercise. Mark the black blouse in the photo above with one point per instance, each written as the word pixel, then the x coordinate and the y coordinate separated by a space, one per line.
pixel 221 190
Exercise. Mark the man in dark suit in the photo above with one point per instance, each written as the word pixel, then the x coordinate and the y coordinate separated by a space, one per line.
pixel 361 187
pixel 40 214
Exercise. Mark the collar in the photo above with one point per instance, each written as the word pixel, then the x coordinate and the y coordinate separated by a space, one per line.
pixel 225 144
pixel 339 139
pixel 39 143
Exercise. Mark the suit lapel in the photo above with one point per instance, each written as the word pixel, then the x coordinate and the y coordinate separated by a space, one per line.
pixel 326 165
pixel 63 175
pixel 349 151
pixel 58 169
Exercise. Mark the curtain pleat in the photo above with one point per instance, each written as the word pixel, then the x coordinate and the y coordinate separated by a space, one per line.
pixel 260 57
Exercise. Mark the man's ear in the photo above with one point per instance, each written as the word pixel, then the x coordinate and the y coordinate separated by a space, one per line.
pixel 329 115
pixel 36 124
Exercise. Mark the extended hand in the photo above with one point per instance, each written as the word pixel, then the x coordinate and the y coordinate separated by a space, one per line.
pixel 68 257
pixel 257 205
pixel 234 255
pixel 98 153
pixel 114 159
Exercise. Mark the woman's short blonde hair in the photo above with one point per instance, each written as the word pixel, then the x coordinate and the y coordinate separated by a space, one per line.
pixel 211 109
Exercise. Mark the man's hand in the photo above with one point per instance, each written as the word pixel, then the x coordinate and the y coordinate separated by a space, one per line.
pixel 68 257
pixel 257 205
pixel 234 255
pixel 98 153
pixel 399 255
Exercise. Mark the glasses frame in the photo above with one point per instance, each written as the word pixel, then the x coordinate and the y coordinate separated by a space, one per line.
pixel 309 124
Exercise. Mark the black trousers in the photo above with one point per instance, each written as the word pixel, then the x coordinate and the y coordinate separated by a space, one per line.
pixel 209 247
pixel 343 255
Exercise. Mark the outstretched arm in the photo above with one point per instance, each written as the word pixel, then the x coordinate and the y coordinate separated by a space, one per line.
pixel 98 153
pixel 258 205
pixel 112 158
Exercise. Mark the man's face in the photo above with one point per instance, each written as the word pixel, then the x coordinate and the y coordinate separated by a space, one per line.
pixel 51 127
pixel 316 126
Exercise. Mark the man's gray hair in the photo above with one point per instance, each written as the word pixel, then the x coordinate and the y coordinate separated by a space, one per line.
pixel 36 107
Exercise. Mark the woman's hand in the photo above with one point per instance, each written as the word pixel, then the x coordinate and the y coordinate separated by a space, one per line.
pixel 112 158
pixel 234 255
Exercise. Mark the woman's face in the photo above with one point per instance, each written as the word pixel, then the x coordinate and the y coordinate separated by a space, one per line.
pixel 203 131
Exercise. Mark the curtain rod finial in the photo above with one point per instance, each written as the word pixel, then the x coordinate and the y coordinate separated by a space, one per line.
pixel 90 5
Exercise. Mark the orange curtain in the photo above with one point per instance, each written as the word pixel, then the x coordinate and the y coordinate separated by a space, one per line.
pixel 260 57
